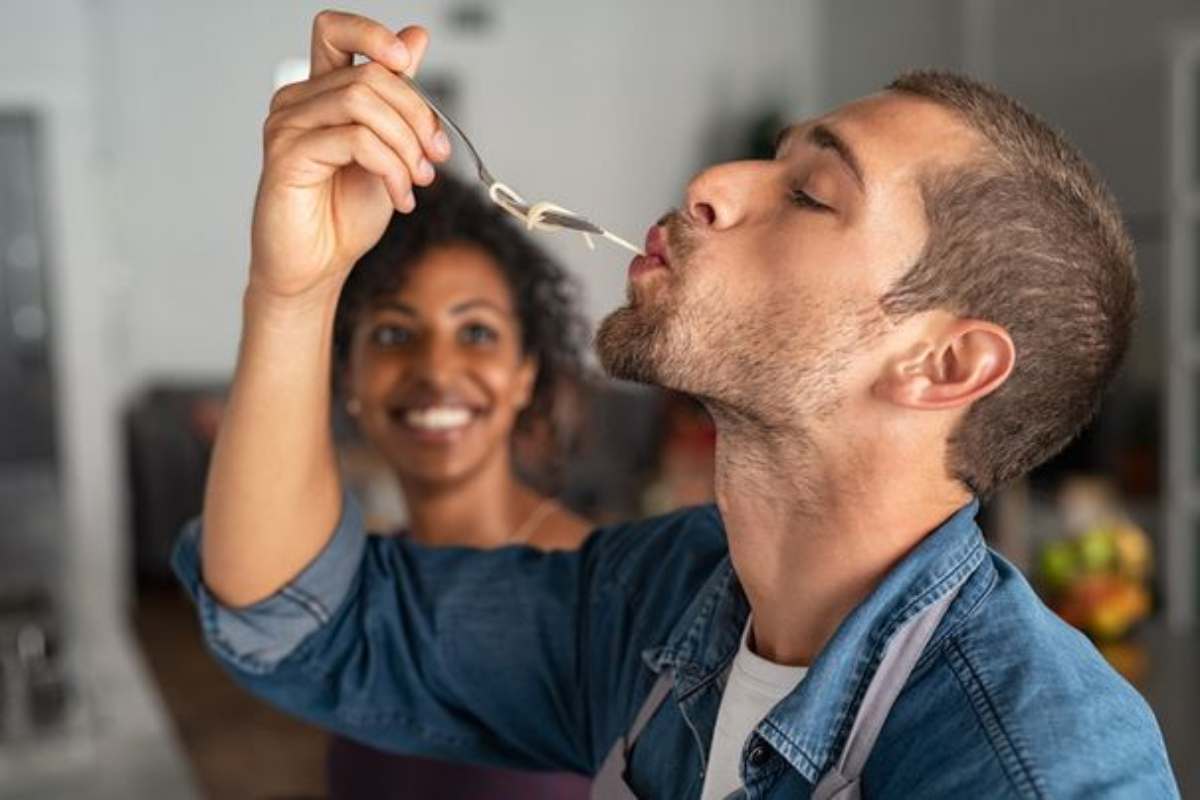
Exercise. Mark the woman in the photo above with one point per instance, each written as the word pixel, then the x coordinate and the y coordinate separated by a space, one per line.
pixel 452 334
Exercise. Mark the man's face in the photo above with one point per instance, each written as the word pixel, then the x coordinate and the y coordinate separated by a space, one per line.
pixel 768 301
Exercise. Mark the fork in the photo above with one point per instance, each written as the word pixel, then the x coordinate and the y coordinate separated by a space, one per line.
pixel 561 219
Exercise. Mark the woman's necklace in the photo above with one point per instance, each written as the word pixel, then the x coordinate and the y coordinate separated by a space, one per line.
pixel 536 517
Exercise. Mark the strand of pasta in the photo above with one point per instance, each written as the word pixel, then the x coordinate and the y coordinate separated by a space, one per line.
pixel 534 219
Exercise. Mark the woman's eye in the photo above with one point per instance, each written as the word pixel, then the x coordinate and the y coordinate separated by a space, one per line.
pixel 803 199
pixel 391 336
pixel 477 333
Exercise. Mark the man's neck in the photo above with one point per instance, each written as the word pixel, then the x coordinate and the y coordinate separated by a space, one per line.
pixel 812 532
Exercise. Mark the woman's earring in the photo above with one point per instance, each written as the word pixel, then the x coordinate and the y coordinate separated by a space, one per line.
pixel 353 406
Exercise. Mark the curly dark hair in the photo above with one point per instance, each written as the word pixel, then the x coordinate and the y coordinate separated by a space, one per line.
pixel 546 296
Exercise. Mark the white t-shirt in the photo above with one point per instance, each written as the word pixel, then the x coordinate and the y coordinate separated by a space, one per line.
pixel 755 686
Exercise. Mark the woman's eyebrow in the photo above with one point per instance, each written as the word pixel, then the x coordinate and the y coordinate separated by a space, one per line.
pixel 480 302
pixel 389 304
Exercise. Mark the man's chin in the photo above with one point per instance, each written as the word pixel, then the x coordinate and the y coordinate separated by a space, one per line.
pixel 627 344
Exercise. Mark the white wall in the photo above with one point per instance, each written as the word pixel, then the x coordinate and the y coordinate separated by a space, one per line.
pixel 46 66
pixel 154 113
pixel 1098 69
pixel 866 43
pixel 1095 68
pixel 609 127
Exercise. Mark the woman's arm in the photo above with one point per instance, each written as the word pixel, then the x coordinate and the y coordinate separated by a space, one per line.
pixel 341 152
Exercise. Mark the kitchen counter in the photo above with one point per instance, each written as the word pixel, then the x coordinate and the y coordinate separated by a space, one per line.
pixel 117 742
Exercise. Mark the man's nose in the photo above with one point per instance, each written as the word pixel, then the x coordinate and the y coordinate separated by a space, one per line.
pixel 720 197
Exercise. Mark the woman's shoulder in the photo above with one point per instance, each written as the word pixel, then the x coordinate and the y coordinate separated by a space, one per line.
pixel 562 530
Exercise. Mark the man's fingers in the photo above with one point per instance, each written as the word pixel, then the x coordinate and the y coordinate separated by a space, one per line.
pixel 358 103
pixel 386 85
pixel 337 37
pixel 416 39
pixel 362 115
pixel 353 144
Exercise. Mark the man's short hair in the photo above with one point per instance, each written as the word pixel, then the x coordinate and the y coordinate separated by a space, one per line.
pixel 1026 236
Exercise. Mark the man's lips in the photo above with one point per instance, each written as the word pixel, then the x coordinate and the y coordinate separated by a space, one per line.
pixel 656 244
pixel 657 254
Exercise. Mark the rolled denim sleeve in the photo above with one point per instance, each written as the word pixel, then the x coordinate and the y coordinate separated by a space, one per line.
pixel 256 638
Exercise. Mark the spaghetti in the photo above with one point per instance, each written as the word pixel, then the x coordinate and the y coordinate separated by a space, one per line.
pixel 535 217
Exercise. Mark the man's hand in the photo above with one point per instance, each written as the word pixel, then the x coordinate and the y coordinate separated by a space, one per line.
pixel 341 151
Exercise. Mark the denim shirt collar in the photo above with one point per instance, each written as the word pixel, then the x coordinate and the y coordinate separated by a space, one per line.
pixel 809 726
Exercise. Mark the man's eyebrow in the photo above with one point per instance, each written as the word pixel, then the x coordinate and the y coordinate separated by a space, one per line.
pixel 825 138
pixel 783 135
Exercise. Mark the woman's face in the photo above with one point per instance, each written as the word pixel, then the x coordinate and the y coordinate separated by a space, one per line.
pixel 437 368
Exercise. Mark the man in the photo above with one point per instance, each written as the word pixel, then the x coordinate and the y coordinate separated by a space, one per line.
pixel 920 298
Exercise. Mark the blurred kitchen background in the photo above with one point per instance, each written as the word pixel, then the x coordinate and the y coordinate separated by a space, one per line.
pixel 129 153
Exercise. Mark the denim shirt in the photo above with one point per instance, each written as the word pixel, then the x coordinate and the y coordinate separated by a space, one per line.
pixel 536 660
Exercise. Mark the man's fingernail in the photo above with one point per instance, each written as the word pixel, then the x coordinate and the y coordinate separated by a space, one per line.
pixel 424 170
pixel 410 202
pixel 441 143
pixel 399 52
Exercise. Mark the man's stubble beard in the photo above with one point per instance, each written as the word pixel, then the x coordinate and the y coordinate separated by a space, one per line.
pixel 753 368
pixel 639 342
pixel 767 366
pixel 649 340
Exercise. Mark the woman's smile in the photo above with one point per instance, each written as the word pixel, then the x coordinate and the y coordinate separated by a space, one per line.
pixel 435 424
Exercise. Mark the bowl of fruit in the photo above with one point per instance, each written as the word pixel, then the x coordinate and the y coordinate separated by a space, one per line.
pixel 1096 573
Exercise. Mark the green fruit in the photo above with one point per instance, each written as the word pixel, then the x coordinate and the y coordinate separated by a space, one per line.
pixel 1058 564
pixel 1097 550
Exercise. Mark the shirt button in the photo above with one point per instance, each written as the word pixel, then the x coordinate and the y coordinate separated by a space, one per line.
pixel 759 756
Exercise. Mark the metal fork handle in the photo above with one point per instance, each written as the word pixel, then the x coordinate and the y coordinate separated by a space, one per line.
pixel 571 221
pixel 484 175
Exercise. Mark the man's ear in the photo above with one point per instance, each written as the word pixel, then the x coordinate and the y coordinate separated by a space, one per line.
pixel 959 363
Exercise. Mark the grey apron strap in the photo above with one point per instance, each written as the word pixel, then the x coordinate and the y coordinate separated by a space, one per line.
pixel 609 783
pixel 903 651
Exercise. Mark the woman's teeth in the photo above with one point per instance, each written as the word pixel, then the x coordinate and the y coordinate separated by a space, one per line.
pixel 437 418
